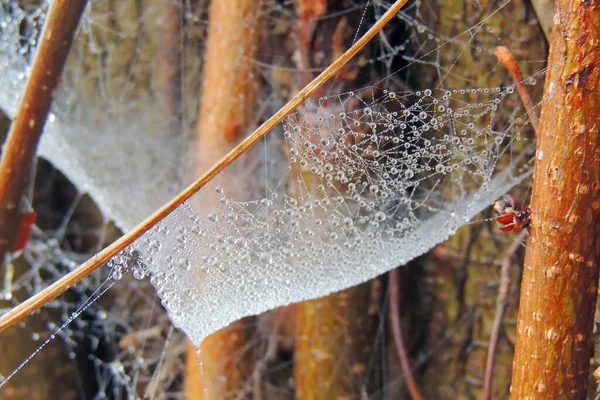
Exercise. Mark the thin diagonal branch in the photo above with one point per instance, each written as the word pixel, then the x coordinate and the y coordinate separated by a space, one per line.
pixel 27 127
pixel 413 387
pixel 507 59
pixel 501 306
pixel 60 286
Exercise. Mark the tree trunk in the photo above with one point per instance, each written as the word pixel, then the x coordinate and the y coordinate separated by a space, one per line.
pixel 560 280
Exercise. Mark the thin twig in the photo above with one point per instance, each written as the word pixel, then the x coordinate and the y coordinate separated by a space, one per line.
pixel 510 63
pixel 413 387
pixel 60 286
pixel 507 59
pixel 501 306
pixel 27 127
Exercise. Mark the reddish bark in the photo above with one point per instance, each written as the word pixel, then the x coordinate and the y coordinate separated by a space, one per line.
pixel 559 288
pixel 27 127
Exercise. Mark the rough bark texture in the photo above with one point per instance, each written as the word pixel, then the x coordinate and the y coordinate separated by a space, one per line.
pixel 559 287
pixel 227 107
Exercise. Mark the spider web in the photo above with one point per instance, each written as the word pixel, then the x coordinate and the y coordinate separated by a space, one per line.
pixel 351 185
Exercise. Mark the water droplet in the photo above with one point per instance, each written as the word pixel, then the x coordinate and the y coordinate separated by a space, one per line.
pixel 266 258
pixel 117 273
pixel 241 242
pixel 138 273
pixel 379 216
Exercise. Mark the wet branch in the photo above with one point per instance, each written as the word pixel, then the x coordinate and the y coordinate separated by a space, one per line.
pixel 228 105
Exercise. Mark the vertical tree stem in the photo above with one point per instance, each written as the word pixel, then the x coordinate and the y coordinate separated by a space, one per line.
pixel 560 279
pixel 27 127
pixel 227 108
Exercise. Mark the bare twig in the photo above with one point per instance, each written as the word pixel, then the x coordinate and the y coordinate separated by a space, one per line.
pixel 413 387
pixel 501 306
pixel 58 287
pixel 510 63
pixel 27 127
pixel 507 59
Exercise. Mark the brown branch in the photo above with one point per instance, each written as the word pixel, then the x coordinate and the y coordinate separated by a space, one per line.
pixel 229 88
pixel 332 335
pixel 510 63
pixel 506 58
pixel 501 306
pixel 560 276
pixel 27 127
pixel 51 292
pixel 413 387
pixel 168 72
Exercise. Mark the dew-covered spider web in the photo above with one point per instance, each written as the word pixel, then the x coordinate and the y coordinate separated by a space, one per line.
pixel 412 140
pixel 370 184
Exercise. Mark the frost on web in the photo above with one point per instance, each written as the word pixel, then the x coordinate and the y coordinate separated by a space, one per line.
pixel 372 181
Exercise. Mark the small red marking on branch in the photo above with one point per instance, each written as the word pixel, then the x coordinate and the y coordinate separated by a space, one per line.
pixel 23 231
pixel 232 131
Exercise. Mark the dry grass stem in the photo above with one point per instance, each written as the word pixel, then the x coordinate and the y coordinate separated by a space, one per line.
pixel 510 63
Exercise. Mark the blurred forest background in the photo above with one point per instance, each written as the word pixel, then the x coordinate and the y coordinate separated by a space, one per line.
pixel 337 347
